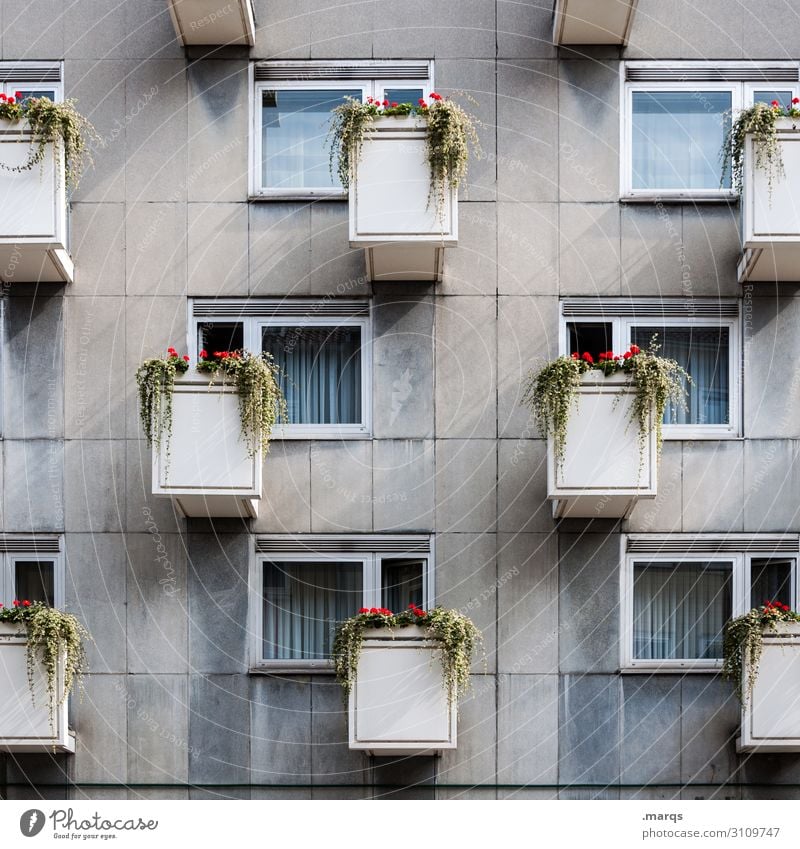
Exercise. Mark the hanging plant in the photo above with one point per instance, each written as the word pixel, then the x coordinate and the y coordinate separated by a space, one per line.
pixel 551 393
pixel 456 634
pixel 758 121
pixel 59 124
pixel 451 133
pixel 52 634
pixel 261 401
pixel 743 644
pixel 155 379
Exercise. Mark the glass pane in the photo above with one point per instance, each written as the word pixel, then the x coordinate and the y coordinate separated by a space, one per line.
pixel 770 580
pixel 783 97
pixel 593 337
pixel 321 372
pixel 680 609
pixel 294 127
pixel 220 336
pixel 33 580
pixel 48 93
pixel 303 602
pixel 401 584
pixel 703 352
pixel 677 138
pixel 403 95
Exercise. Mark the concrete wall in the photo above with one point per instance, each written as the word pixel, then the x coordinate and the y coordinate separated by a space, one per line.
pixel 164 215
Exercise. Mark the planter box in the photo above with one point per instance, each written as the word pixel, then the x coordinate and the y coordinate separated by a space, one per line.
pixel 210 22
pixel 33 213
pixel 771 716
pixel 24 724
pixel 398 705
pixel 209 473
pixel 601 475
pixel 771 225
pixel 593 21
pixel 390 215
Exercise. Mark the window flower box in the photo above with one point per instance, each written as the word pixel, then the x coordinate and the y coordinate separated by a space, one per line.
pixel 771 211
pixel 593 21
pixel 33 212
pixel 25 722
pixel 209 22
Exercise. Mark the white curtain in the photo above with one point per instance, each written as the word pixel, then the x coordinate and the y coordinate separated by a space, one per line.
pixel 679 609
pixel 303 602
pixel 321 372
pixel 703 352
pixel 677 138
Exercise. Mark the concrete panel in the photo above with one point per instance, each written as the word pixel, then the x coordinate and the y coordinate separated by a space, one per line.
pixel 653 253
pixel 464 30
pixel 527 743
pixel 522 503
pixel 98 248
pixel 655 30
pixel 155 254
pixel 471 268
pixel 527 248
pixel 341 486
pixel 525 29
pixel 466 482
pixel 32 28
pixel 713 486
pixel 473 762
pixel 100 722
pixel 286 503
pixel 716 30
pixel 771 485
pixel 712 247
pixel 143 509
pixel 218 249
pixel 94 474
pixel 151 33
pixel 528 629
pixel 280 248
pixel 332 762
pixel 589 249
pixel 662 513
pixel 402 28
pixel 283 31
pixel 403 485
pixel 709 727
pixel 335 268
pixel 33 485
pixel 340 29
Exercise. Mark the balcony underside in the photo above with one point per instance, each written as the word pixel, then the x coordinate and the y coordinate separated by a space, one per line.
pixel 216 506
pixel 594 506
pixel 31 262
pixel 770 263
pixel 209 22
pixel 418 261
pixel 592 21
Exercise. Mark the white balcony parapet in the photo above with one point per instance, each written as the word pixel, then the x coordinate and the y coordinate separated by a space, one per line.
pixel 593 21
pixel 33 213
pixel 25 724
pixel 392 214
pixel 771 221
pixel 398 704
pixel 771 713
pixel 213 22
pixel 602 473
pixel 209 472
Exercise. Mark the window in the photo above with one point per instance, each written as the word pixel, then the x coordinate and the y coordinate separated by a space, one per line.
pixel 302 589
pixel 675 605
pixel 322 348
pixel 676 117
pixel 32 79
pixel 292 104
pixel 31 569
pixel 703 336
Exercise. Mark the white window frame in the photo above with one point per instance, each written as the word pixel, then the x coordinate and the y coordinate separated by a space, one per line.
pixel 372 588
pixel 252 326
pixel 8 561
pixel 741 97
pixel 740 602
pixel 57 88
pixel 370 87
pixel 621 335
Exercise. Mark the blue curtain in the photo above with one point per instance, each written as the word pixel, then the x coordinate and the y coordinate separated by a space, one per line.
pixel 703 352
pixel 677 137
pixel 680 609
pixel 321 372
pixel 303 602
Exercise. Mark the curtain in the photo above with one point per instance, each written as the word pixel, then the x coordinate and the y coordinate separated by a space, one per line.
pixel 677 137
pixel 703 352
pixel 33 580
pixel 401 584
pixel 321 372
pixel 679 609
pixel 770 580
pixel 294 126
pixel 303 602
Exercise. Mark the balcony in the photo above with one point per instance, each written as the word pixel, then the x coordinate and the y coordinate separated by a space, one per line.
pixel 208 472
pixel 398 705
pixel 403 234
pixel 771 223
pixel 33 214
pixel 593 21
pixel 603 474
pixel 209 22
pixel 770 716
pixel 25 724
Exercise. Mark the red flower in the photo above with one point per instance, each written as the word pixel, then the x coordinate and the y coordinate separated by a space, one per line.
pixel 627 355
pixel 775 104
pixel 385 102
pixel 171 351
pixel 10 99
pixel 435 96
pixel 394 105
pixel 364 610
pixel 16 603
pixel 602 356
pixel 574 355
pixel 26 603
pixel 796 100
pixel 373 610
pixel 422 103
pixel 369 100
pixel 635 349
pixel 203 354
pixel 186 358
pixel 587 357
pixel 2 96
pixel 19 95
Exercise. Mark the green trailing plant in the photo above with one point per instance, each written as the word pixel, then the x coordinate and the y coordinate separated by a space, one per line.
pixel 451 134
pixel 155 379
pixel 59 124
pixel 51 633
pixel 743 644
pixel 456 634
pixel 551 393
pixel 758 121
pixel 257 380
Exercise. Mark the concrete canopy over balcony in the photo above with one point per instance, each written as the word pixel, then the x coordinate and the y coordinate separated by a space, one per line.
pixel 208 22
pixel 592 21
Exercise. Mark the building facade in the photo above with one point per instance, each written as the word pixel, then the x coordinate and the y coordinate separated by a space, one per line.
pixel 596 210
